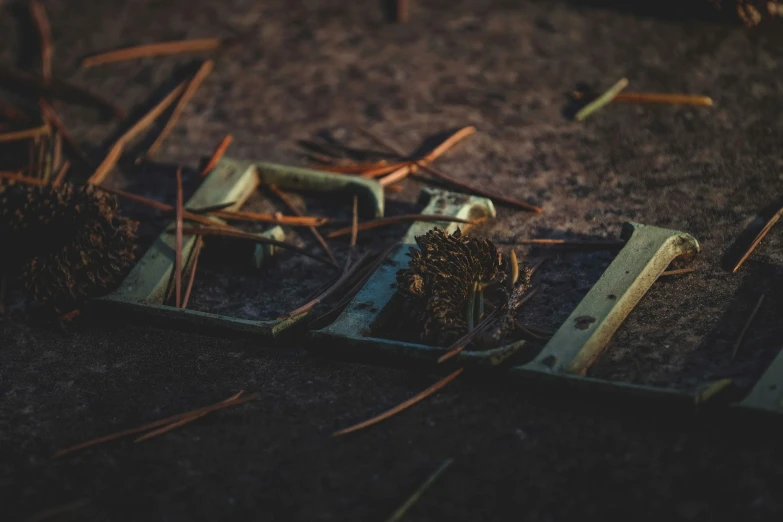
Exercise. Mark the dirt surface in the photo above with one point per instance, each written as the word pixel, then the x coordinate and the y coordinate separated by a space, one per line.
pixel 315 67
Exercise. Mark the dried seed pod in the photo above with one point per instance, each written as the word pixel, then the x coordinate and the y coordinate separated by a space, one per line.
pixel 69 243
pixel 439 278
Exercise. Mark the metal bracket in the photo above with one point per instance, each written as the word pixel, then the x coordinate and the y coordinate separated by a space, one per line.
pixel 144 289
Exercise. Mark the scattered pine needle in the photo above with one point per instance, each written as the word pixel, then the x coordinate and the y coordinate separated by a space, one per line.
pixel 59 510
pixel 405 405
pixel 400 512
pixel 679 271
pixel 155 424
pixel 767 227
pixel 394 189
pixel 24 134
pixel 137 128
pixel 318 237
pixel 41 21
pixel 602 100
pixel 55 121
pixel 60 179
pixel 178 252
pixel 651 97
pixel 402 11
pixel 239 234
pixel 741 336
pixel 70 316
pixel 193 85
pixel 194 264
pixel 569 242
pixel 355 223
pixel 155 49
pixel 397 176
pixel 182 422
pixel 460 344
pixel 15 176
pixel 278 219
pixel 394 220
pixel 217 155
pixel 449 180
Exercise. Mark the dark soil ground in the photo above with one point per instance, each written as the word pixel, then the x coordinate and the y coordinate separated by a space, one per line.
pixel 521 453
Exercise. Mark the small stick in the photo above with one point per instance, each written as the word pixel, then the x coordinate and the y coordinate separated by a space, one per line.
pixel 187 95
pixel 651 97
pixel 678 271
pixel 60 179
pixel 741 336
pixel 155 49
pixel 345 277
pixel 15 176
pixel 239 234
pixel 31 85
pixel 393 220
pixel 318 237
pixel 602 100
pixel 178 252
pixel 452 181
pixel 767 227
pixel 196 253
pixel 145 121
pixel 41 21
pixel 54 120
pixel 400 512
pixel 177 424
pixel 157 423
pixel 217 154
pixel 400 407
pixel 295 221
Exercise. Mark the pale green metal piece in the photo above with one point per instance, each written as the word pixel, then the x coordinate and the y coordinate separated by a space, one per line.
pixel 144 289
pixel 368 191
pixel 583 336
pixel 767 393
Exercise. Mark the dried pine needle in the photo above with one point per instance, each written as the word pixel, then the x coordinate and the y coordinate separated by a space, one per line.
pixel 767 227
pixel 155 49
pixel 155 424
pixel 60 179
pixel 602 100
pixel 41 21
pixel 400 512
pixel 679 271
pixel 741 336
pixel 394 220
pixel 196 253
pixel 400 407
pixel 178 252
pixel 220 150
pixel 278 219
pixel 652 97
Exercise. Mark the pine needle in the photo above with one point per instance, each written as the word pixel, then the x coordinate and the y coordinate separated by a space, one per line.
pixel 155 424
pixel 60 179
pixel 400 407
pixel 400 512
pixel 741 336
pixel 651 97
pixel 55 121
pixel 178 252
pixel 767 227
pixel 194 263
pixel 278 219
pixel 41 21
pixel 220 150
pixel 679 271
pixel 190 91
pixel 394 220
pixel 16 176
pixel 602 100
pixel 155 49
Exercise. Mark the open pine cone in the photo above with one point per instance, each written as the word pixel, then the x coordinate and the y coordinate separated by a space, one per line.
pixel 68 244
pixel 439 278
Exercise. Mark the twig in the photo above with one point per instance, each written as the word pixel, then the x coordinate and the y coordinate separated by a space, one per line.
pixel 400 512
pixel 190 91
pixel 155 49
pixel 767 227
pixel 59 510
pixel 194 264
pixel 60 179
pixel 182 422
pixel 217 154
pixel 448 179
pixel 238 234
pixel 393 220
pixel 678 271
pixel 602 100
pixel 178 252
pixel 318 237
pixel 344 278
pixel 31 85
pixel 145 121
pixel 155 424
pixel 650 97
pixel 405 405
pixel 741 336
pixel 279 219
